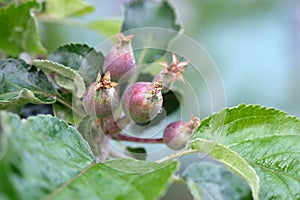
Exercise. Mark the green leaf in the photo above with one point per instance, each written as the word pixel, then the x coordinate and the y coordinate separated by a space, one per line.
pixel 71 114
pixel 208 180
pixel 137 152
pixel 267 139
pixel 119 179
pixel 93 134
pixel 21 83
pixel 19 30
pixel 81 58
pixel 150 43
pixel 38 155
pixel 107 27
pixel 58 9
pixel 65 76
pixel 154 68
pixel 231 159
pixel 141 13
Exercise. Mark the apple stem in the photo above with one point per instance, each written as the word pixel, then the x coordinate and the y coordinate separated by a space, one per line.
pixel 136 139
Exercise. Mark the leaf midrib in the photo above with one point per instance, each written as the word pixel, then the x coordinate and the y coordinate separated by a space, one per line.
pixel 224 126
pixel 114 175
pixel 257 138
pixel 66 184
pixel 35 92
pixel 259 165
pixel 128 182
pixel 271 170
pixel 253 163
pixel 275 174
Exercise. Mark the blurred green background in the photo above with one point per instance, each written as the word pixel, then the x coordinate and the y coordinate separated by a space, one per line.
pixel 255 44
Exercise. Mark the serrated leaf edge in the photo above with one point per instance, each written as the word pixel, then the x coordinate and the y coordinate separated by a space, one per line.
pixel 61 48
pixel 64 71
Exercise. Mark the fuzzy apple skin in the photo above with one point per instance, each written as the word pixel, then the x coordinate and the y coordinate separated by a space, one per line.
pixel 176 135
pixel 139 105
pixel 98 102
pixel 119 61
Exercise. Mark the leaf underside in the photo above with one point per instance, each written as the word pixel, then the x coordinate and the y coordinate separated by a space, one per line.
pixel 210 180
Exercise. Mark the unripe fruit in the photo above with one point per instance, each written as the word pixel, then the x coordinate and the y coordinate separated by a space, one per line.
pixel 177 133
pixel 120 59
pixel 100 97
pixel 171 73
pixel 143 101
pixel 174 137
